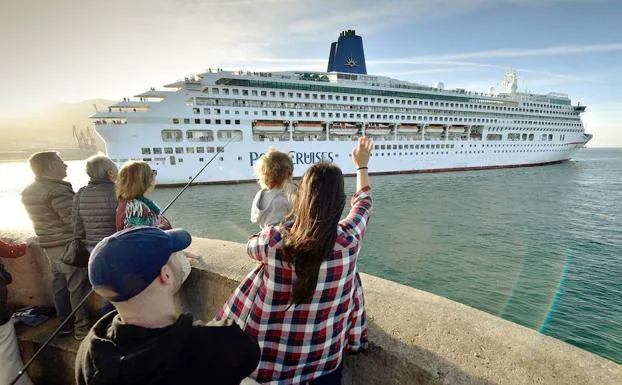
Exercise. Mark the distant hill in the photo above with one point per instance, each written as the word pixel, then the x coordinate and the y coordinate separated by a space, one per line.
pixel 50 127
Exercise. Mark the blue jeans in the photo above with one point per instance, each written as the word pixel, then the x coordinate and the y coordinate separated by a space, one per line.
pixel 332 378
pixel 70 284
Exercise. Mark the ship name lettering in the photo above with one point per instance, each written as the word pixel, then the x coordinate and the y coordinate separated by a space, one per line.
pixel 299 157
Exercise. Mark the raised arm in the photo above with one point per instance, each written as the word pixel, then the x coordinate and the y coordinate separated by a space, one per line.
pixel 356 221
pixel 360 157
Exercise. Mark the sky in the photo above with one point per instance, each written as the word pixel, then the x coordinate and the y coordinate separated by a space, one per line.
pixel 70 50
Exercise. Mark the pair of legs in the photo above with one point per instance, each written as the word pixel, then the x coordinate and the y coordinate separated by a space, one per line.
pixel 70 284
pixel 332 378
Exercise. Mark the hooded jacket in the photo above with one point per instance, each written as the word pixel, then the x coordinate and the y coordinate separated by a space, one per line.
pixel 270 207
pixel 182 353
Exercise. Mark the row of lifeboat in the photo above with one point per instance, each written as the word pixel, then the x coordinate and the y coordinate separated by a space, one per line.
pixel 350 128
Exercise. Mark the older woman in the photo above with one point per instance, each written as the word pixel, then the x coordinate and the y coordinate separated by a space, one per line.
pixel 135 185
pixel 96 204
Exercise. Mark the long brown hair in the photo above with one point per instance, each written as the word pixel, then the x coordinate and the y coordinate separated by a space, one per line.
pixel 310 240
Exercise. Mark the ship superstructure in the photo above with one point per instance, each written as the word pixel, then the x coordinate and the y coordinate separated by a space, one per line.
pixel 319 115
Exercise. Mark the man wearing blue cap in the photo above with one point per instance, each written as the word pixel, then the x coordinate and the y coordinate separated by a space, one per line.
pixel 146 340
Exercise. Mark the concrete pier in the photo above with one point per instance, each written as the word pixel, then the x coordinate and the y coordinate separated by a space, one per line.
pixel 416 337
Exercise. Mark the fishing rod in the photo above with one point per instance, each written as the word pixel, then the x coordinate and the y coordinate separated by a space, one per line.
pixel 51 337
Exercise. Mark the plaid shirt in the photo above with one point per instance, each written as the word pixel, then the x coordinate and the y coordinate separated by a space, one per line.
pixel 302 342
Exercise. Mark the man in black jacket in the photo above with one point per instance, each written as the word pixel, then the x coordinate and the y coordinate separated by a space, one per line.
pixel 146 340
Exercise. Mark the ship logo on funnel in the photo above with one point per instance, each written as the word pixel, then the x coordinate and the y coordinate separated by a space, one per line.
pixel 351 62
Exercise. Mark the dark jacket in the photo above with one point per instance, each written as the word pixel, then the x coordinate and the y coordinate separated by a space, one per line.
pixel 48 202
pixel 96 211
pixel 183 353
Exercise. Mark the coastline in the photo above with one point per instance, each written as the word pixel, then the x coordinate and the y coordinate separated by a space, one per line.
pixel 65 153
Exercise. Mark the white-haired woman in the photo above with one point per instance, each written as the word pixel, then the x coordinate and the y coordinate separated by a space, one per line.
pixel 95 205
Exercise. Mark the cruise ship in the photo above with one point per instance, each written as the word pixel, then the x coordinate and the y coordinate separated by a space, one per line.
pixel 232 117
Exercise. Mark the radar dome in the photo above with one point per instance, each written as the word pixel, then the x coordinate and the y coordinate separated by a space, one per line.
pixel 440 85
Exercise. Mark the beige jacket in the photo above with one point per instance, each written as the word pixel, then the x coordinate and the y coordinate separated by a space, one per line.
pixel 49 204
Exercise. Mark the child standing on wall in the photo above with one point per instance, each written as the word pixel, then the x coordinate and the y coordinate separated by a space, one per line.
pixel 274 173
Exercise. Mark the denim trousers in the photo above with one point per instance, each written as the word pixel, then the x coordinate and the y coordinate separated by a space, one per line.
pixel 69 284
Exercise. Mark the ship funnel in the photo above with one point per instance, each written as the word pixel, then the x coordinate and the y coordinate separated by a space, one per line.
pixel 346 54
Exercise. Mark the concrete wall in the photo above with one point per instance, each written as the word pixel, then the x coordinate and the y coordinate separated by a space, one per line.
pixel 416 337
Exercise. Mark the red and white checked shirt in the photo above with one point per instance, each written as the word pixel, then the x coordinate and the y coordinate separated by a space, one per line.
pixel 302 342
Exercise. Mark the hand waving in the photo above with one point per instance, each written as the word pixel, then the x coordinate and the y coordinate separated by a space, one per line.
pixel 362 152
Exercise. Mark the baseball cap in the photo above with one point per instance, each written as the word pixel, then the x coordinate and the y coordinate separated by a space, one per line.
pixel 122 265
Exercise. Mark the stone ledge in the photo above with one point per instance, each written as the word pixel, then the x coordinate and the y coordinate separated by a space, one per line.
pixel 416 337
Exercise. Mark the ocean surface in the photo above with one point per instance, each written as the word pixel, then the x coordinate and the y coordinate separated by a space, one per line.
pixel 539 246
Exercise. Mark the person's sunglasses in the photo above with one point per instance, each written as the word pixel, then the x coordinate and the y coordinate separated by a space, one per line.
pixel 154 172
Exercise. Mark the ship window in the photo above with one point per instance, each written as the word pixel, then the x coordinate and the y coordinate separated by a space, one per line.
pixel 200 135
pixel 147 159
pixel 239 158
pixel 196 110
pixel 189 150
pixel 207 111
pixel 157 150
pixel 168 150
pixel 200 150
pixel 201 159
pixel 215 91
pixel 197 121
pixel 209 150
pixel 227 121
pixel 186 121
pixel 179 150
pixel 263 93
pixel 175 121
pixel 245 92
pixel 235 91
pixel 180 160
pixel 172 135
pixel 146 151
pixel 272 93
pixel 221 158
pixel 218 121
pixel 220 149
pixel 208 121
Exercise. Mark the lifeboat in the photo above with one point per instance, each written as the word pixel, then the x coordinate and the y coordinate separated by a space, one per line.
pixel 377 129
pixel 434 128
pixel 408 128
pixel 308 127
pixel 342 128
pixel 269 126
pixel 457 129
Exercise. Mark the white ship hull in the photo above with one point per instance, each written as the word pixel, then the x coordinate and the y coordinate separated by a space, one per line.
pixel 235 163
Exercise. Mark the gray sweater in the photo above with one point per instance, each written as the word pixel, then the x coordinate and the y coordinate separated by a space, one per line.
pixel 96 211
pixel 270 207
